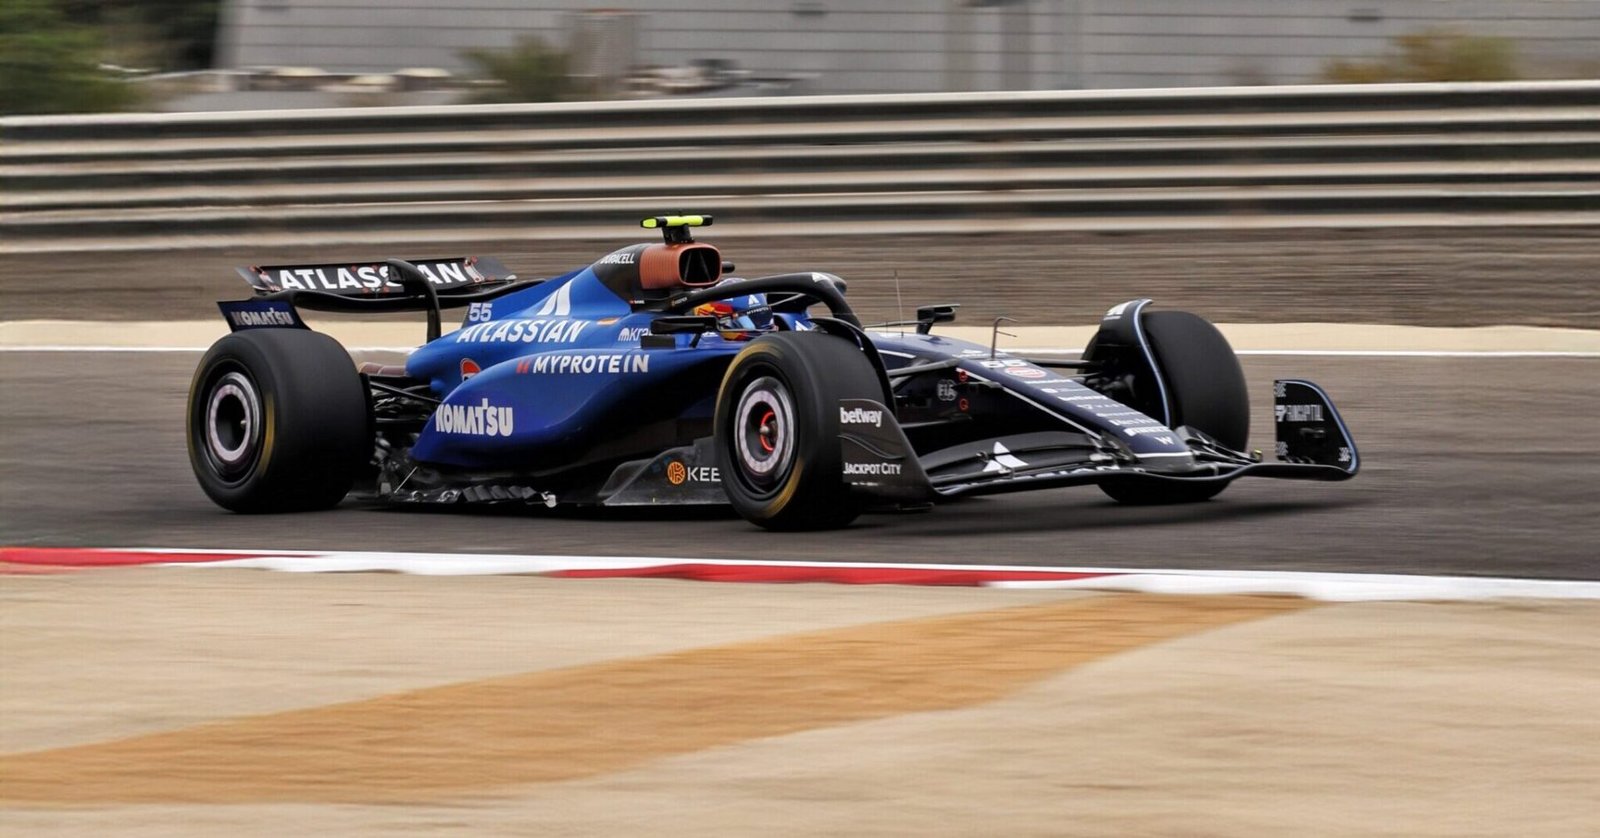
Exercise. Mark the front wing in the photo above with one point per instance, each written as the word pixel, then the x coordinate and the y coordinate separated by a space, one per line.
pixel 1313 443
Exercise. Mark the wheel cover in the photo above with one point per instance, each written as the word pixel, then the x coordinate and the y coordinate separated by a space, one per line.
pixel 232 425
pixel 763 433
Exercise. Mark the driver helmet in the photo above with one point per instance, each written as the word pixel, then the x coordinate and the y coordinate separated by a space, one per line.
pixel 739 318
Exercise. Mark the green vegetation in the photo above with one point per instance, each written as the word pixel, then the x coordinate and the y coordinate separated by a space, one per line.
pixel 158 34
pixel 52 51
pixel 1431 55
pixel 51 65
pixel 528 72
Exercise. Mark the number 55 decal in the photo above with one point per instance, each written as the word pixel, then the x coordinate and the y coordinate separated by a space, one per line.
pixel 480 312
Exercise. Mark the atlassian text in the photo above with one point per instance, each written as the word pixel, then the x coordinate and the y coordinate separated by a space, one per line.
pixel 360 277
pixel 558 330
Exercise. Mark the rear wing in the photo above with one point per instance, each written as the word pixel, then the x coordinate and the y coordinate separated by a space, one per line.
pixel 372 279
pixel 391 285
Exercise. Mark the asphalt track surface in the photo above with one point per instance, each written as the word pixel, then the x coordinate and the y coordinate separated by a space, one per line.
pixel 1479 466
pixel 1470 465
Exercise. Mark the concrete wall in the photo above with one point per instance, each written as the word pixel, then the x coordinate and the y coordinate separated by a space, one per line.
pixel 920 45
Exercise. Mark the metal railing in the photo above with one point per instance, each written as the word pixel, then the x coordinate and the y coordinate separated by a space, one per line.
pixel 1502 153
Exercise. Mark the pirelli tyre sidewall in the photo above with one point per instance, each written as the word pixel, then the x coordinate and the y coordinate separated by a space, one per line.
pixel 277 421
pixel 777 429
pixel 1207 391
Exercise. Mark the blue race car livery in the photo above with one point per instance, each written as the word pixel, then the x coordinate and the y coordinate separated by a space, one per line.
pixel 650 377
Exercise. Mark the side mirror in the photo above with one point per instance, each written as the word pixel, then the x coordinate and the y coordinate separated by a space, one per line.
pixel 683 324
pixel 929 315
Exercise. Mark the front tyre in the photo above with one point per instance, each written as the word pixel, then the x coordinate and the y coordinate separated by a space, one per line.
pixel 777 429
pixel 277 421
pixel 1206 389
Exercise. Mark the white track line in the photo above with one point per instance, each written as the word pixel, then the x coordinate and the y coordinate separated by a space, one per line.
pixel 1312 353
pixel 1333 587
pixel 1417 353
pixel 67 348
pixel 1366 353
pixel 195 349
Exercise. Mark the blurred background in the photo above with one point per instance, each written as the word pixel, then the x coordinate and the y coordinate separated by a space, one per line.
pixel 1229 155
pixel 183 55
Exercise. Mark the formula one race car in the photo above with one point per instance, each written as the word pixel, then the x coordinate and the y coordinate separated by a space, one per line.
pixel 649 378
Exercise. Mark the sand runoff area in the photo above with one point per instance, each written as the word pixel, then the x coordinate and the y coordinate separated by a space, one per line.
pixel 178 701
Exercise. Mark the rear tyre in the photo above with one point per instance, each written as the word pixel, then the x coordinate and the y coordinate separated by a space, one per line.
pixel 277 422
pixel 777 429
pixel 1206 389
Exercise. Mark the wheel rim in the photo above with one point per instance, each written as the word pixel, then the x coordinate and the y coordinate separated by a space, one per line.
pixel 763 433
pixel 233 424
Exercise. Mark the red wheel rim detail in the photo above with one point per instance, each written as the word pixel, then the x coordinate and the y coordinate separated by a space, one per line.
pixel 766 432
